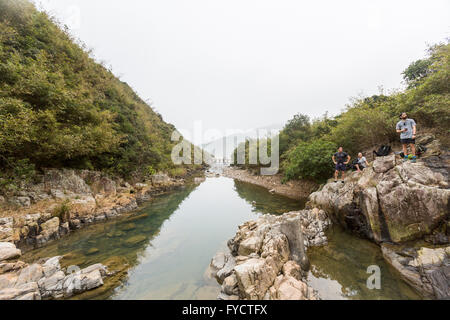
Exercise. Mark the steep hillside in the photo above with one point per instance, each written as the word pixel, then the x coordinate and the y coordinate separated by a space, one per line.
pixel 306 145
pixel 59 108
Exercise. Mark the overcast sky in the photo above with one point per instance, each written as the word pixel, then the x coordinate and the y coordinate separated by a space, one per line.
pixel 249 63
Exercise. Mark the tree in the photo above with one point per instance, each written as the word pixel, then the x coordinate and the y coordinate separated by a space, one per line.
pixel 416 71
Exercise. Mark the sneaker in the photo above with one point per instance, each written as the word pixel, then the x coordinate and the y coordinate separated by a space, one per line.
pixel 342 181
pixel 405 159
pixel 335 181
pixel 413 160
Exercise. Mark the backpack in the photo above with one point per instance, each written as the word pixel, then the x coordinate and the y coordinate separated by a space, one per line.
pixel 353 164
pixel 420 149
pixel 383 151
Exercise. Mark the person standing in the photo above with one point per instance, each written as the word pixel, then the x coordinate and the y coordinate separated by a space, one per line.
pixel 340 159
pixel 407 129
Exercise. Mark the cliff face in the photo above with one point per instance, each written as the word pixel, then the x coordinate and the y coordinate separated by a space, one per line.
pixel 392 201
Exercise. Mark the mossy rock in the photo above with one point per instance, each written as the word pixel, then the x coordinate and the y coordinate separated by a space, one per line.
pixel 131 242
pixel 138 217
pixel 73 259
pixel 129 227
pixel 92 251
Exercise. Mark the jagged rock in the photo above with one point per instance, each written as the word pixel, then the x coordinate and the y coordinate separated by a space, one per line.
pixel 51 266
pixel 230 285
pixel 6 228
pixel 398 204
pixel 11 266
pixel 224 296
pixel 425 139
pixel 50 230
pixel 8 280
pixel 426 269
pixel 83 207
pixel 104 185
pixel 65 180
pixel 160 178
pixel 429 257
pixel 292 269
pixel 32 273
pixel 250 245
pixel 8 251
pixel 21 201
pixel 27 291
pixel 265 248
pixel 140 186
pixel 384 164
pixel 218 261
pixel 289 288
pixel 255 276
pixel 227 269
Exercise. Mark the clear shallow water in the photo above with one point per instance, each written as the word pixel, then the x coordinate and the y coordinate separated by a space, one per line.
pixel 163 250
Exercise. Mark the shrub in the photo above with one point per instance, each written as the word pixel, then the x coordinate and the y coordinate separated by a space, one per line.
pixel 310 160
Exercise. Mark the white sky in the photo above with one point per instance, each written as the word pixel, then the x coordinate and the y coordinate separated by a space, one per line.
pixel 238 64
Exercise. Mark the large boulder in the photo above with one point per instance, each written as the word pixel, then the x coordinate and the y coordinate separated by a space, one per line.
pixel 83 206
pixel 425 269
pixel 9 251
pixel 384 164
pixel 65 180
pixel 264 249
pixel 290 288
pixel 389 203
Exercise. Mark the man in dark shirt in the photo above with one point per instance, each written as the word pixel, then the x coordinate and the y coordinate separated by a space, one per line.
pixel 340 159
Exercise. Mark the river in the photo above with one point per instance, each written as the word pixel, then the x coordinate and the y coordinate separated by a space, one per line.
pixel 163 249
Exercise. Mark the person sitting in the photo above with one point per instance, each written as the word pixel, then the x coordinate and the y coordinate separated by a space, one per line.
pixel 340 159
pixel 362 163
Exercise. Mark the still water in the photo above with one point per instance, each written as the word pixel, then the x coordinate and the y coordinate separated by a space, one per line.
pixel 162 251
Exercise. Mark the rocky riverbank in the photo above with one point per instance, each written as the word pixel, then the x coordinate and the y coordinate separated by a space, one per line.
pixel 44 279
pixel 297 190
pixel 66 200
pixel 267 257
pixel 404 207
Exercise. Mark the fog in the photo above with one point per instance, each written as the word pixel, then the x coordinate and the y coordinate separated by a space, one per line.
pixel 251 63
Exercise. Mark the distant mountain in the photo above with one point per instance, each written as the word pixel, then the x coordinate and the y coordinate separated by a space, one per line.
pixel 223 147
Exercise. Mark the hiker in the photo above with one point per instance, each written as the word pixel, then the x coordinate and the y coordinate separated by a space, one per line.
pixel 407 129
pixel 361 163
pixel 340 159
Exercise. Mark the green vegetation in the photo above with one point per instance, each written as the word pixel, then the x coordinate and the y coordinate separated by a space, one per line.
pixel 59 108
pixel 306 146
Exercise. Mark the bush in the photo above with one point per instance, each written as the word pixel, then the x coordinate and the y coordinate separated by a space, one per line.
pixel 311 161
pixel 59 108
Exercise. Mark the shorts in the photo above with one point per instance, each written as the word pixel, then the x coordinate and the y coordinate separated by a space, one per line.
pixel 341 167
pixel 408 141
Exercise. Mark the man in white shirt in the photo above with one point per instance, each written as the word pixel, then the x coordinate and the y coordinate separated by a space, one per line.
pixel 407 129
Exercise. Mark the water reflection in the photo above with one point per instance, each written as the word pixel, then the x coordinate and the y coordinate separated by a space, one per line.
pixel 162 251
pixel 339 270
pixel 263 201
